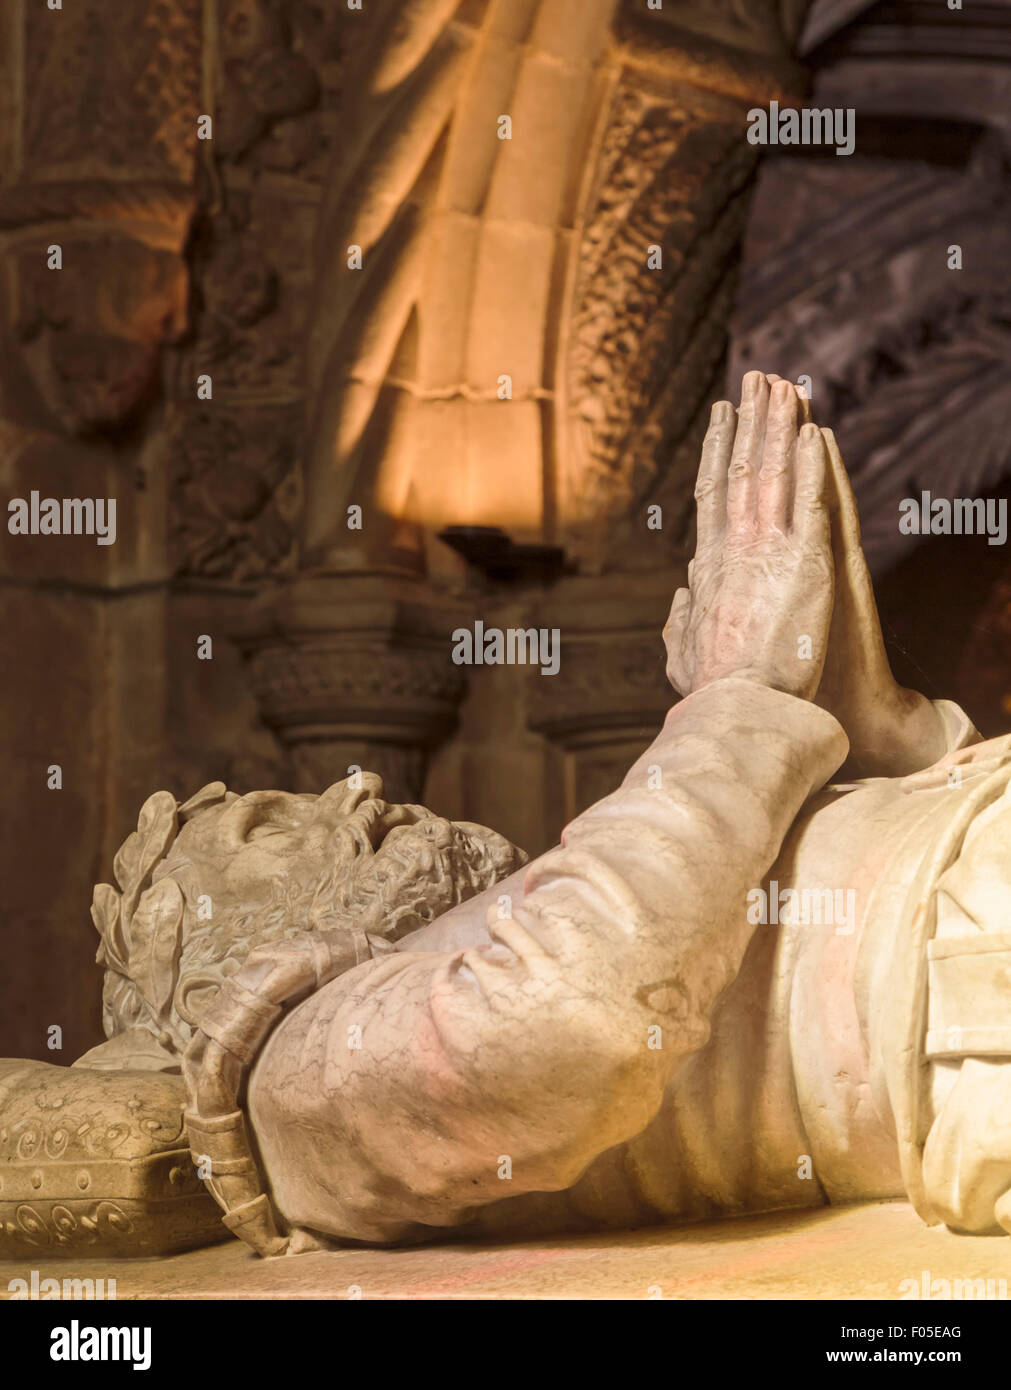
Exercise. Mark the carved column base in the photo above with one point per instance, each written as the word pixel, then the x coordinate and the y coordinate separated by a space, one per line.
pixel 356 671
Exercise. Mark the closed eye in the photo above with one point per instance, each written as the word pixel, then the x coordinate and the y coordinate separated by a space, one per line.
pixel 260 832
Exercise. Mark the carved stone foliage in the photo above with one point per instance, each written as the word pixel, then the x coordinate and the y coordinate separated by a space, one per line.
pixel 236 492
pixel 100 156
pixel 237 489
pixel 112 89
pixel 355 670
pixel 280 71
pixel 647 342
pixel 265 80
pixel 408 693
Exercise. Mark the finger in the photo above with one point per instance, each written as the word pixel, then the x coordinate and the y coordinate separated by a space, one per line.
pixel 855 592
pixel 678 615
pixel 844 504
pixel 673 636
pixel 803 398
pixel 742 480
pixel 775 482
pixel 811 490
pixel 849 553
pixel 711 486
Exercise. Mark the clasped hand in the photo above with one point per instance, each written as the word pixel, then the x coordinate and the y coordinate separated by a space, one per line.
pixel 779 590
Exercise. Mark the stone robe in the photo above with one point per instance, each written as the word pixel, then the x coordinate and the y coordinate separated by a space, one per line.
pixel 620 1043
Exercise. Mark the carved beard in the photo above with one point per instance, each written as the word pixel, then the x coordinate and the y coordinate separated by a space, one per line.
pixel 418 872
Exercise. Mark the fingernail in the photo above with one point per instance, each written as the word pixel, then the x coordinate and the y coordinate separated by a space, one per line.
pixel 750 385
pixel 782 392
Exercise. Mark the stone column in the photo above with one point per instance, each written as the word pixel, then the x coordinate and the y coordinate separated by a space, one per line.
pixel 611 693
pixel 356 672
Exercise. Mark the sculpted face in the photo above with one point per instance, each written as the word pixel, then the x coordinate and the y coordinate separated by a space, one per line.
pixel 242 852
pixel 91 336
pixel 253 868
pixel 330 853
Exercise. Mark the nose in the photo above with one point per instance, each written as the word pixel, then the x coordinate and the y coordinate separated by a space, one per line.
pixel 343 798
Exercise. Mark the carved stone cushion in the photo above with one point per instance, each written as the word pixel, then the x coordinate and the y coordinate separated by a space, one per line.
pixel 97 1163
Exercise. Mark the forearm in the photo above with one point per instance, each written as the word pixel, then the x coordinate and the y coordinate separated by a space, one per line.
pixel 556 1042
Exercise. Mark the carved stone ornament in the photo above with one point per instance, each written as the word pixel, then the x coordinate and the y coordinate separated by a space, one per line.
pixel 97 1164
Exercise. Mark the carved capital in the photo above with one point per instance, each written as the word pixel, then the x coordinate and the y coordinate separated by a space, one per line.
pixel 611 693
pixel 611 685
pixel 356 670
pixel 609 688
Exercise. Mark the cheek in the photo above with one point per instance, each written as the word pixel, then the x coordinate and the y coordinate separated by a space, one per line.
pixel 291 861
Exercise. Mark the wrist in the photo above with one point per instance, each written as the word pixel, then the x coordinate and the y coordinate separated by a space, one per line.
pixel 768 678
pixel 897 737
